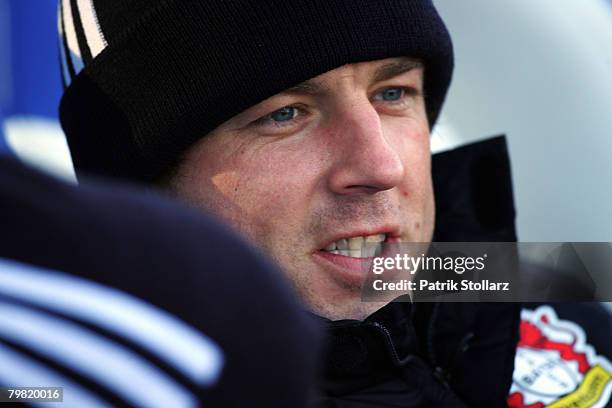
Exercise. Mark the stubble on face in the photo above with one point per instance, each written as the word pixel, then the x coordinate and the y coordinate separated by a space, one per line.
pixel 290 192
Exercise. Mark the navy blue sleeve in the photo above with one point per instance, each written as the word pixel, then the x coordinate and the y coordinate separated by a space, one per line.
pixel 171 259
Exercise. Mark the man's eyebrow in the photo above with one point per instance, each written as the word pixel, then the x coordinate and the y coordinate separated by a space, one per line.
pixel 394 69
pixel 387 71
pixel 308 87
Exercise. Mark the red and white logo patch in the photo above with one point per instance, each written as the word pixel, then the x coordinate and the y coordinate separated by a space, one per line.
pixel 555 367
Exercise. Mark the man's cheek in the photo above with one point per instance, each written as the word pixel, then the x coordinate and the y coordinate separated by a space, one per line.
pixel 226 183
pixel 252 197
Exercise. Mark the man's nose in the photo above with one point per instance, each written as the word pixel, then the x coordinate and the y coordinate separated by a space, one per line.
pixel 365 159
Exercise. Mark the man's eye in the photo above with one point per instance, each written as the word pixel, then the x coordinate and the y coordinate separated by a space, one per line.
pixel 284 114
pixel 390 95
pixel 287 118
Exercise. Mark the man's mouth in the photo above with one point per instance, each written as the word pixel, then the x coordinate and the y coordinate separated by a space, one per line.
pixel 349 258
pixel 366 246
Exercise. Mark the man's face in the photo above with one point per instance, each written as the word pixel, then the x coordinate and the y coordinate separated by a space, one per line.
pixel 343 155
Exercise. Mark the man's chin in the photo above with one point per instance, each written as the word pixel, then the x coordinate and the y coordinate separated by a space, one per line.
pixel 355 311
pixel 341 304
pixel 334 290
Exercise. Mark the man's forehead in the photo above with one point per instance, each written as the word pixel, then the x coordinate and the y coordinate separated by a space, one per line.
pixel 380 70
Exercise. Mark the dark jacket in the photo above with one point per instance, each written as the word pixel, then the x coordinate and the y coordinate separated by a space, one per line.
pixel 166 260
pixel 437 354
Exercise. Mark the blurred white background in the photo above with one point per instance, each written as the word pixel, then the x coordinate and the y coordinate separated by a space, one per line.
pixel 540 72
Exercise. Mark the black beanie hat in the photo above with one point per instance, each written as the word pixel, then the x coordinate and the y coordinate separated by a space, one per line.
pixel 145 79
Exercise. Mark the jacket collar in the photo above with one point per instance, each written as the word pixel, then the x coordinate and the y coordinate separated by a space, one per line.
pixel 360 353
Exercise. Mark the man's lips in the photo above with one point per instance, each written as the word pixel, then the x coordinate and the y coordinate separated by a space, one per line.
pixel 387 234
pixel 352 262
pixel 348 269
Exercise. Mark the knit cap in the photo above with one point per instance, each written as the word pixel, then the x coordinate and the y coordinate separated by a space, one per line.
pixel 146 79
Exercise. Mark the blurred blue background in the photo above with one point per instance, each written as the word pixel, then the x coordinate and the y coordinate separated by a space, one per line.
pixel 30 84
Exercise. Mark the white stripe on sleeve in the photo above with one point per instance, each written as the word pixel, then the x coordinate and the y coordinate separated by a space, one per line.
pixel 172 340
pixel 71 38
pixel 91 26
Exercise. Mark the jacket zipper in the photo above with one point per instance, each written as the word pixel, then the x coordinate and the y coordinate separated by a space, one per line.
pixel 399 362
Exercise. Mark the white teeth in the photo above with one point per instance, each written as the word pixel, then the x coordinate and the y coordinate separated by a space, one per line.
pixel 369 250
pixel 355 243
pixel 355 253
pixel 342 244
pixel 357 247
pixel 375 238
